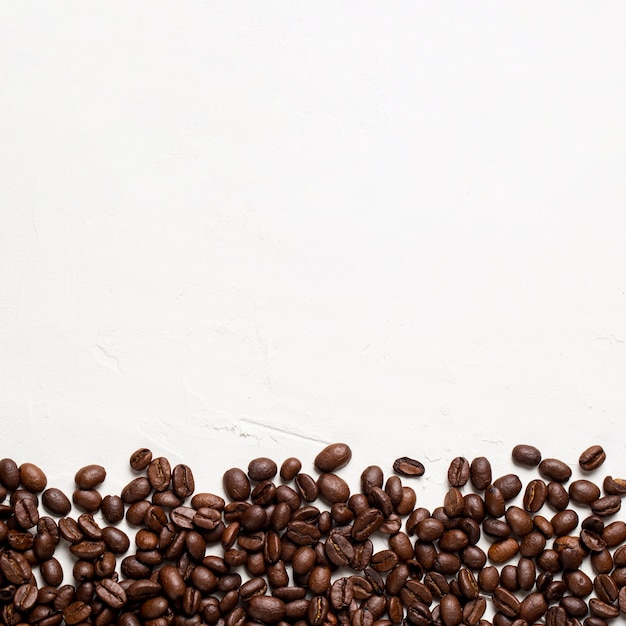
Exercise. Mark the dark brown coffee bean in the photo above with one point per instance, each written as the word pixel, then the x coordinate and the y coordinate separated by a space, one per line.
pixel 614 486
pixel 339 549
pixel 592 458
pixel 317 610
pixel 76 613
pixel 621 600
pixel 140 459
pixel 555 470
pixel 32 477
pixel 333 457
pixel 9 474
pixel 557 498
pixel 564 522
pixel 509 485
pixel 55 501
pixel 606 505
pixel 578 583
pixel 519 521
pixel 601 562
pixel 15 567
pixel 302 533
pixel 501 551
pixel 90 476
pixel 544 526
pixel 602 609
pixel 401 544
pixel 473 557
pixel 362 554
pixel 474 610
pixel 111 593
pixel 406 466
pixel 494 501
pixel 532 544
pixel 52 572
pixel 26 513
pixel 533 607
pixel 87 499
pixel 307 487
pixel 527 455
pixel 614 534
pixel 480 473
pixel 116 540
pixel 583 492
pixel 88 550
pixel 458 472
pixel 535 495
pixel 366 523
pixel 506 602
pixel 112 508
pixel 592 541
pixel 451 611
pixel 236 484
pixel 319 579
pixel 182 481
pixel 605 587
pixel 262 468
pixel 159 473
pixel 290 468
pixel 453 503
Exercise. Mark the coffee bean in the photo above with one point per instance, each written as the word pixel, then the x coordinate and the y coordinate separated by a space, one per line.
pixel 509 485
pixel 236 484
pixel 557 497
pixel 527 455
pixel 406 466
pixel 333 488
pixel 614 486
pixel 182 481
pixel 55 501
pixel 140 459
pixel 159 473
pixel 583 492
pixel 458 472
pixel 32 477
pixel 9 474
pixel 333 457
pixel 89 476
pixel 592 458
pixel 607 505
pixel 555 470
pixel 480 473
pixel 290 467
pixel 535 495
pixel 112 508
pixel 501 551
pixel 87 499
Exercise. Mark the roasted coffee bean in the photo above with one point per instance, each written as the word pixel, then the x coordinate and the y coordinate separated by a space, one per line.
pixel 116 540
pixel 290 468
pixel 333 457
pixel 451 611
pixel 555 470
pixel 52 572
pixel 317 610
pixel 90 476
pixel 509 485
pixel 307 487
pixel 527 455
pixel 519 521
pixel 564 522
pixel 55 501
pixel 494 501
pixel 15 567
pixel 574 606
pixel 557 498
pixel 406 466
pixel 9 474
pixel 458 472
pixel 339 549
pixel 136 490
pixel 112 508
pixel 480 473
pixel 614 486
pixel 183 482
pixel 76 613
pixel 26 513
pixel 236 484
pixel 592 458
pixel 159 473
pixel 607 505
pixel 535 495
pixel 614 534
pixel 506 602
pixel 501 551
pixel 366 523
pixel 473 557
pixel 88 550
pixel 578 583
pixel 601 562
pixel 583 492
pixel 87 499
pixel 533 607
pixel 453 503
pixel 32 477
pixel 474 610
pixel 140 459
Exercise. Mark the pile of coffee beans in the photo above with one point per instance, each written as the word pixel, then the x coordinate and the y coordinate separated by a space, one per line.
pixel 285 547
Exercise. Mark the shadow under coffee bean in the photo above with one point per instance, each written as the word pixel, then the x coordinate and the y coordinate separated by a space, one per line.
pixel 287 547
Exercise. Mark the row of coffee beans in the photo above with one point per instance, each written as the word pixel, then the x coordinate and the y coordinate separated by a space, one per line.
pixel 285 547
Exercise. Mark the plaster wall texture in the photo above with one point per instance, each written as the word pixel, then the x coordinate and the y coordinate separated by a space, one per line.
pixel 232 230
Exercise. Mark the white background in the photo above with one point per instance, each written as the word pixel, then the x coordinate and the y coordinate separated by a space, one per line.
pixel 230 230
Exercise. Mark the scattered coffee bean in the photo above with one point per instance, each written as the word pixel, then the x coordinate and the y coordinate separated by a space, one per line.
pixel 406 466
pixel 592 458
pixel 527 455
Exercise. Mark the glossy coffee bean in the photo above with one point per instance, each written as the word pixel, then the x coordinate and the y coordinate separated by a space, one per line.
pixel 526 455
pixel 333 457
pixel 406 466
pixel 592 458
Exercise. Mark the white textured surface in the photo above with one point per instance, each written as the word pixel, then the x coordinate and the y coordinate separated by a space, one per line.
pixel 241 229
